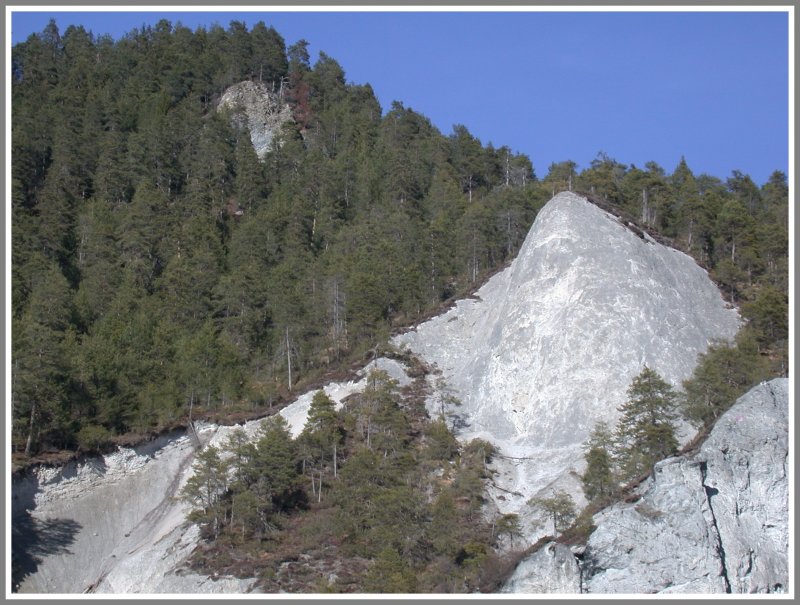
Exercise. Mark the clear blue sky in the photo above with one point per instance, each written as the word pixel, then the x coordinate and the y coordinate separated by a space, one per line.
pixel 710 86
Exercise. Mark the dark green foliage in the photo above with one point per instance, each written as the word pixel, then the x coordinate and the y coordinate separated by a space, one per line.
pixel 599 479
pixel 390 573
pixel 441 445
pixel 558 508
pixel 508 525
pixel 723 374
pixel 646 433
pixel 245 490
pixel 198 278
pixel 206 489
pixel 410 523
pixel 768 314
pixel 93 438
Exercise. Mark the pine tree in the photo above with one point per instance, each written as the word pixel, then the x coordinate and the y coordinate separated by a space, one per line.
pixel 205 490
pixel 723 373
pixel 559 508
pixel 322 428
pixel 646 433
pixel 598 478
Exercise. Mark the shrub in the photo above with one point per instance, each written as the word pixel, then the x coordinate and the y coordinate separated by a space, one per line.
pixel 93 438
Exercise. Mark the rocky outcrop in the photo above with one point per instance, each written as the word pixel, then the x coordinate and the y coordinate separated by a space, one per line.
pixel 549 346
pixel 255 107
pixel 69 520
pixel 712 522
pixel 553 569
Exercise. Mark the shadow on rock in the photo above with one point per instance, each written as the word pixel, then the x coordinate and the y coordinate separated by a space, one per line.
pixel 32 539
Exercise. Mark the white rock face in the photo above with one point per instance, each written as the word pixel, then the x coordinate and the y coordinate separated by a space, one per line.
pixel 115 523
pixel 551 570
pixel 260 111
pixel 713 523
pixel 86 515
pixel 552 343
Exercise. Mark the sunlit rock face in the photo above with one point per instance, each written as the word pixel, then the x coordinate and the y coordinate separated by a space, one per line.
pixel 256 107
pixel 714 522
pixel 553 569
pixel 551 344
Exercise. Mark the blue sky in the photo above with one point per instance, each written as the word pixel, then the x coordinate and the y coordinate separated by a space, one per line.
pixel 639 86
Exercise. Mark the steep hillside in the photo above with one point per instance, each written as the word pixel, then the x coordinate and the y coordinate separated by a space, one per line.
pixel 713 522
pixel 116 524
pixel 544 350
pixel 548 347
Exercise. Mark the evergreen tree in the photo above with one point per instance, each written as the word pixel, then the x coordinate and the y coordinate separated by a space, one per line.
pixel 558 508
pixel 205 490
pixel 389 573
pixel 646 433
pixel 723 373
pixel 598 478
pixel 509 525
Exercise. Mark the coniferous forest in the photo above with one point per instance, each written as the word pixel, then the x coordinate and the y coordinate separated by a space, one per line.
pixel 160 269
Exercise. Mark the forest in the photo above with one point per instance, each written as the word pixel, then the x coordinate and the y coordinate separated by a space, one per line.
pixel 160 270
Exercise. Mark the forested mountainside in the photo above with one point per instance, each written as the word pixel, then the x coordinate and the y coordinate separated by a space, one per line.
pixel 160 269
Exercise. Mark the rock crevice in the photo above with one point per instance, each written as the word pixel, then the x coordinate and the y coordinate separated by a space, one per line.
pixel 710 492
pixel 723 526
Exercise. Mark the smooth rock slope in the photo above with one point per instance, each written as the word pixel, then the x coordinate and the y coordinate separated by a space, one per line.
pixel 551 344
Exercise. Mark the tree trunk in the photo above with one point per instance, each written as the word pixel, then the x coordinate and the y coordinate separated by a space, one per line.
pixel 29 442
pixel 289 358
pixel 644 206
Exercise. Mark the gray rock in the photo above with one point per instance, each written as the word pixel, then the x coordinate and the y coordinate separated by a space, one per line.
pixel 553 569
pixel 714 522
pixel 745 464
pixel 78 516
pixel 258 109
pixel 551 344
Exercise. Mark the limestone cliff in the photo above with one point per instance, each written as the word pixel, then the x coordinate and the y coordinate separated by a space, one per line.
pixel 551 344
pixel 713 522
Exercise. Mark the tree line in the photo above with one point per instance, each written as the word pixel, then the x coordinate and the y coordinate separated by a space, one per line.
pixel 159 267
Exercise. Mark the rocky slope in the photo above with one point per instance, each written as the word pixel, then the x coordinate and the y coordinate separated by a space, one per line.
pixel 550 345
pixel 713 522
pixel 547 349
pixel 260 110
pixel 115 523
